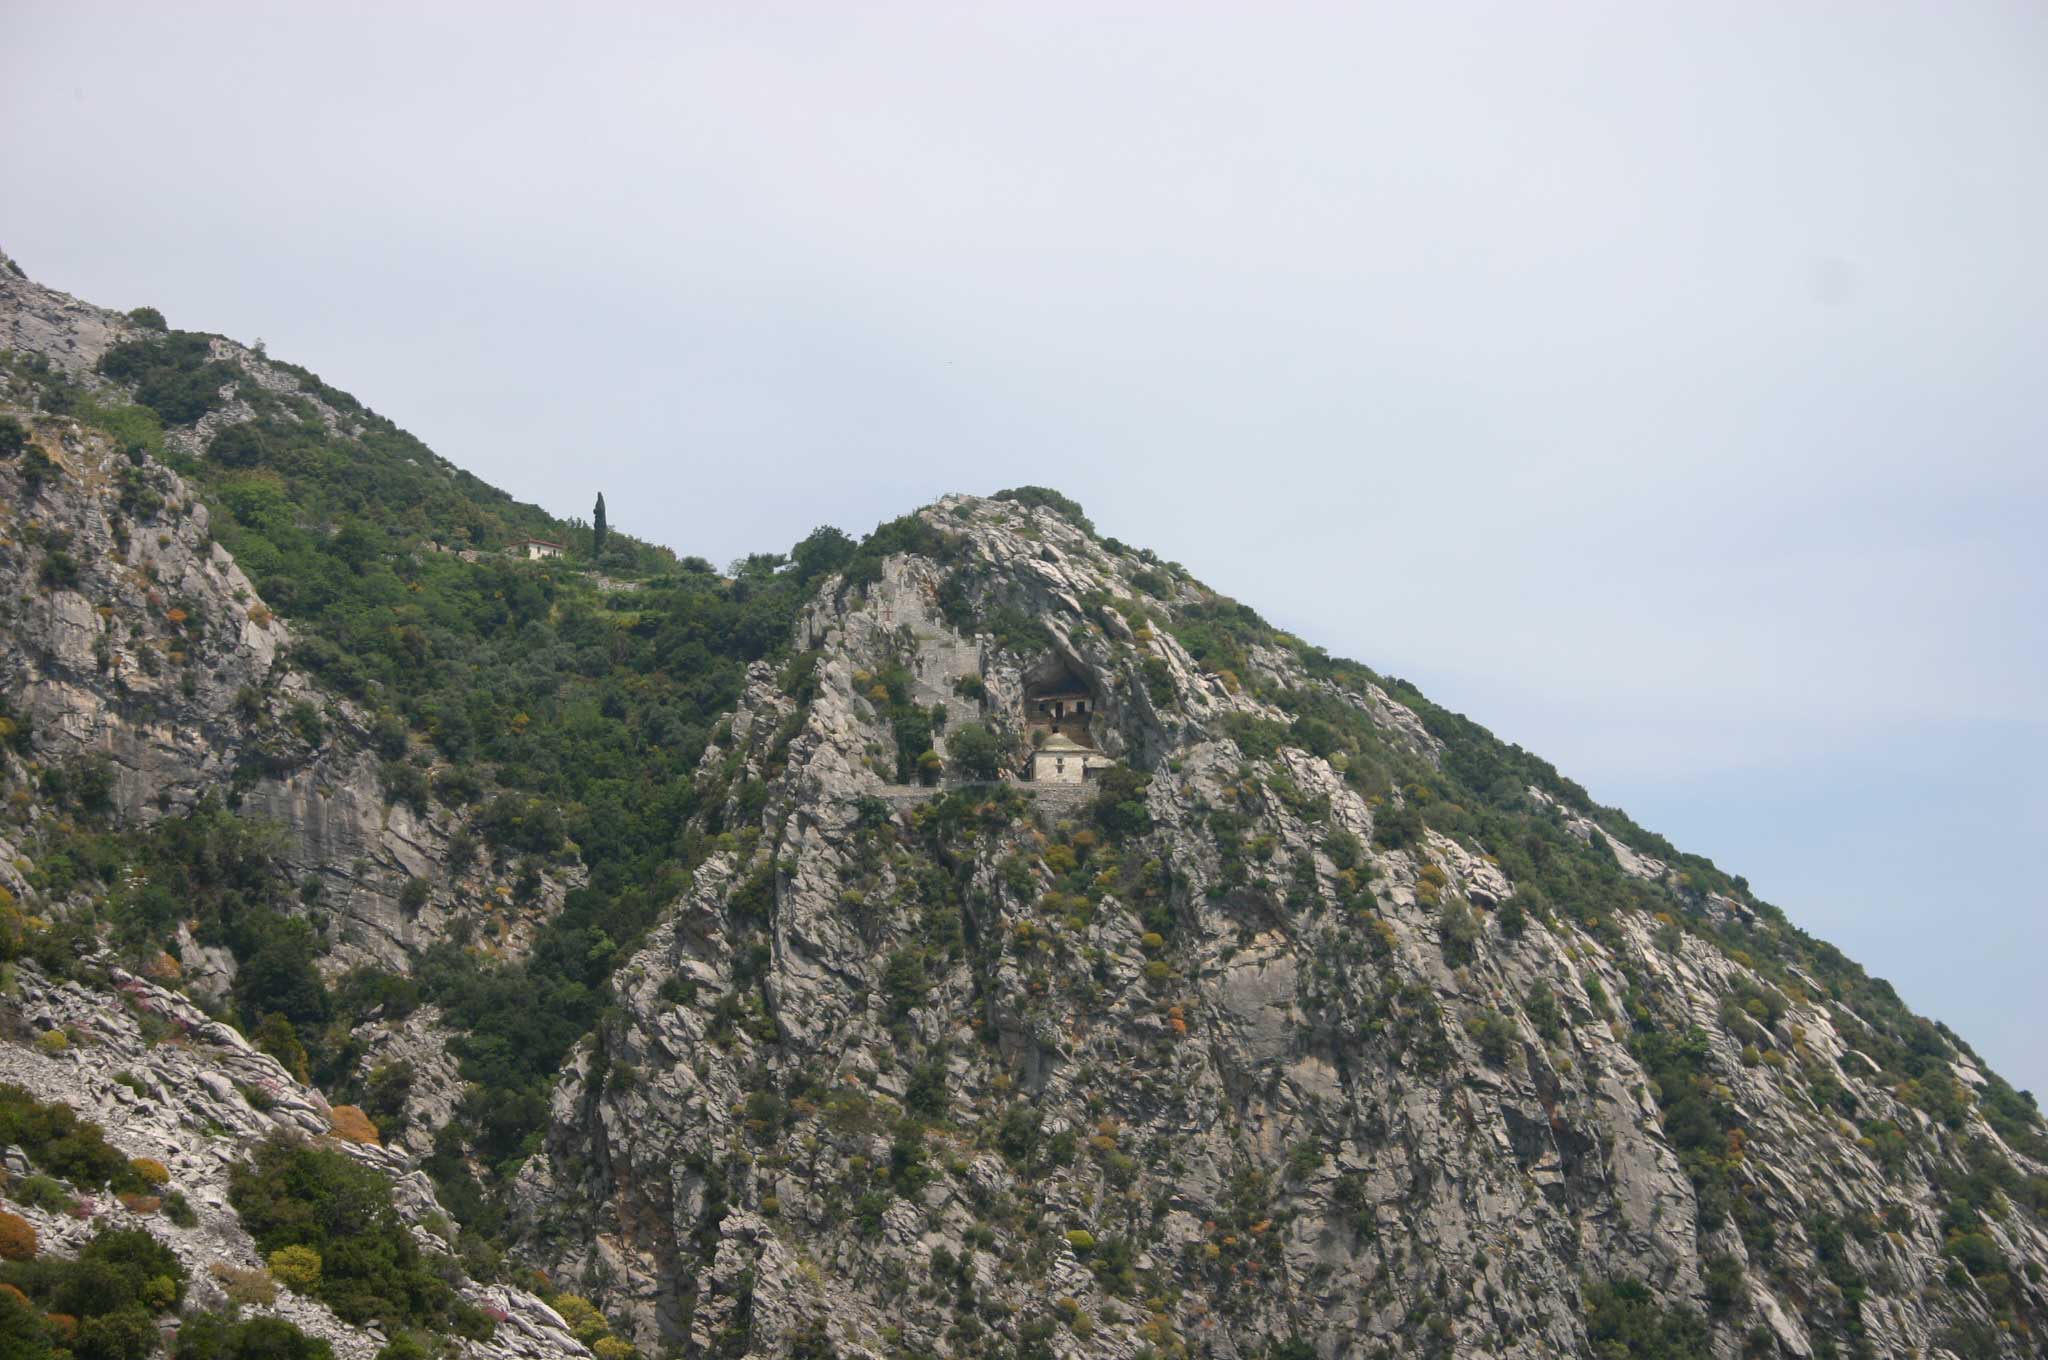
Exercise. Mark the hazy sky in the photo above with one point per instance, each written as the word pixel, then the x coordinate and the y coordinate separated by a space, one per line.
pixel 1660 384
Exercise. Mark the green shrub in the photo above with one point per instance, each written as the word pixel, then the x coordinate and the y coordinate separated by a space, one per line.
pixel 123 1334
pixel 296 1268
pixel 61 1143
pixel 179 1210
pixel 1723 1277
pixel 1063 506
pixel 586 1323
pixel 1977 1252
pixel 904 982
pixel 36 469
pixel 214 1336
pixel 1495 1035
pixel 279 1038
pixel 1119 807
pixel 1158 682
pixel 978 751
pixel 1542 1008
pixel 1345 850
pixel 174 374
pixel 1459 930
pixel 43 1192
pixel 1624 1320
pixel 1396 827
pixel 135 430
pixel 24 1334
pixel 113 1289
pixel 369 1265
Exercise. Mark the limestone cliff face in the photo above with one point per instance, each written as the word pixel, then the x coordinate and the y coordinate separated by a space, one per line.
pixel 1393 1128
pixel 70 334
pixel 136 638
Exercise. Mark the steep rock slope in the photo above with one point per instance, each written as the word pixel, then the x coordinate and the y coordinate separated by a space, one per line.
pixel 1272 1046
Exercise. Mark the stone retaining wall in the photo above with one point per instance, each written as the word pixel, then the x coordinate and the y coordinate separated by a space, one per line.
pixel 1059 798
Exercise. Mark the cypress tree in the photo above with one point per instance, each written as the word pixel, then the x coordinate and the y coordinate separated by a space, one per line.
pixel 598 529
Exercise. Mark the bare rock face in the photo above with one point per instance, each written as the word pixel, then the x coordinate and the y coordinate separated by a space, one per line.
pixel 413 1054
pixel 71 334
pixel 136 638
pixel 1275 1080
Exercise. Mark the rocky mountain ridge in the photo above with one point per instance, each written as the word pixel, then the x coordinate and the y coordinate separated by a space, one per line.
pixel 1322 1024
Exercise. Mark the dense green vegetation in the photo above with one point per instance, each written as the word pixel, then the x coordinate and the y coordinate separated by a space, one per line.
pixel 567 721
pixel 1064 506
pixel 362 480
pixel 1625 1322
pixel 101 1305
pixel 174 374
pixel 216 1336
pixel 71 1162
pixel 368 1266
pixel 61 1144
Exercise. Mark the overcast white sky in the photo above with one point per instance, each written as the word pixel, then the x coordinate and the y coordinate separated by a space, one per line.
pixel 1658 383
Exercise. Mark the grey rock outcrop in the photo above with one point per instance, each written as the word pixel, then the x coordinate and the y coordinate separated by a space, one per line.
pixel 415 1052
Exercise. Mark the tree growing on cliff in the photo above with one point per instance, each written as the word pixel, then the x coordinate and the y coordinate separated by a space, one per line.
pixel 978 751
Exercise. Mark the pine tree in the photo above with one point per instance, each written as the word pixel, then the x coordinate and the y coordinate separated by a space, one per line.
pixel 598 529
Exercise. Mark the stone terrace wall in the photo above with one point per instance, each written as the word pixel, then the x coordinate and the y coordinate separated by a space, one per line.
pixel 1059 798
